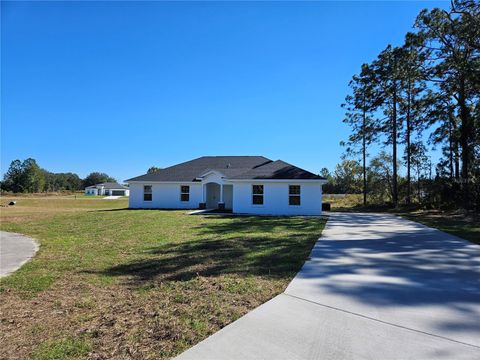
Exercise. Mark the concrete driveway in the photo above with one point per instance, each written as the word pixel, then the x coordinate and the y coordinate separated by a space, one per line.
pixel 15 250
pixel 376 287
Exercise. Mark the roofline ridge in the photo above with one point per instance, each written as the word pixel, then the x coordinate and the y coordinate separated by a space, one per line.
pixel 262 164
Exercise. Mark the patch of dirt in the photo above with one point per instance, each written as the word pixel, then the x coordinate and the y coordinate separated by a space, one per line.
pixel 123 322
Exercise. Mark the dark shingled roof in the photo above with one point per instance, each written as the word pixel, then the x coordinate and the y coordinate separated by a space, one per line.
pixel 233 167
pixel 109 185
pixel 278 170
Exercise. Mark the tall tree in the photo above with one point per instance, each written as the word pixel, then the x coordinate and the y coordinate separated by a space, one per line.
pixel 388 75
pixel 62 181
pixel 420 164
pixel 441 113
pixel 13 177
pixel 360 105
pixel 348 175
pixel 380 177
pixel 153 169
pixel 451 40
pixel 24 176
pixel 411 96
pixel 33 178
pixel 97 178
pixel 330 187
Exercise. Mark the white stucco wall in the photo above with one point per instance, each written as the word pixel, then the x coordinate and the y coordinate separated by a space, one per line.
pixel 164 196
pixel 91 191
pixel 275 199
pixel 167 196
pixel 101 191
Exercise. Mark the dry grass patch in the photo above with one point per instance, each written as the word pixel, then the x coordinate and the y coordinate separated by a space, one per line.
pixel 31 208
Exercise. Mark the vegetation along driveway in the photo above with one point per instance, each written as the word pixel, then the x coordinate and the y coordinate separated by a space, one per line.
pixel 376 286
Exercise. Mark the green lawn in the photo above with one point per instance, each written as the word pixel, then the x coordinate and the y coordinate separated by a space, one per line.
pixel 83 196
pixel 125 283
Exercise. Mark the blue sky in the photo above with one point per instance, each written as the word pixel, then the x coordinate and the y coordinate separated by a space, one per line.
pixel 117 87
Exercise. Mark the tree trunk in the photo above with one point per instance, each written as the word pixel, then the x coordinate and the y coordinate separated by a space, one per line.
pixel 450 151
pixel 364 155
pixel 408 146
pixel 466 130
pixel 394 150
pixel 456 159
pixel 418 184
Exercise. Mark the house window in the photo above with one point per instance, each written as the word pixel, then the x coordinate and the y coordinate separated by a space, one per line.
pixel 147 193
pixel 257 194
pixel 294 195
pixel 185 193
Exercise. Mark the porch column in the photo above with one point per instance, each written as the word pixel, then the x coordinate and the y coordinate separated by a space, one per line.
pixel 203 205
pixel 221 204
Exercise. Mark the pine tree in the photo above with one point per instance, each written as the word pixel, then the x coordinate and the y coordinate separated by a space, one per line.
pixel 387 68
pixel 359 106
pixel 451 40
pixel 411 96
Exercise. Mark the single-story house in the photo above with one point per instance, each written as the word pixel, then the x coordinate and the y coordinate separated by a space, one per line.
pixel 107 189
pixel 242 184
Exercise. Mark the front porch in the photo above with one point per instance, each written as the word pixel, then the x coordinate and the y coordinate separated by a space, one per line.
pixel 217 196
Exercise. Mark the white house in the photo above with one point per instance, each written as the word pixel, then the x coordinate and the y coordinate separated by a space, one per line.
pixel 242 184
pixel 107 189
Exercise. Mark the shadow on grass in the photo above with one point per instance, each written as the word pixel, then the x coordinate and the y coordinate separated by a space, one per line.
pixel 269 247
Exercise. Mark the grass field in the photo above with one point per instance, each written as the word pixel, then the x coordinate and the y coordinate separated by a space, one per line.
pixel 115 283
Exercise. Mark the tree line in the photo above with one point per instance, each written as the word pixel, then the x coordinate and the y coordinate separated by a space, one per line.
pixel 347 178
pixel 424 93
pixel 28 177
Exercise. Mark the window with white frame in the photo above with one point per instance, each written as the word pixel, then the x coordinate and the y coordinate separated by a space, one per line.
pixel 147 193
pixel 294 195
pixel 257 194
pixel 184 193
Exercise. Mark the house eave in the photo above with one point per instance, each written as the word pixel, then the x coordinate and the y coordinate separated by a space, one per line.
pixel 321 181
pixel 162 182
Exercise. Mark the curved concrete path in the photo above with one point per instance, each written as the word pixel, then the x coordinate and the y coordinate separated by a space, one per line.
pixel 15 250
pixel 376 287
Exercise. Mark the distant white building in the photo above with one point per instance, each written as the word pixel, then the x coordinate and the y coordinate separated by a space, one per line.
pixel 240 184
pixel 107 189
